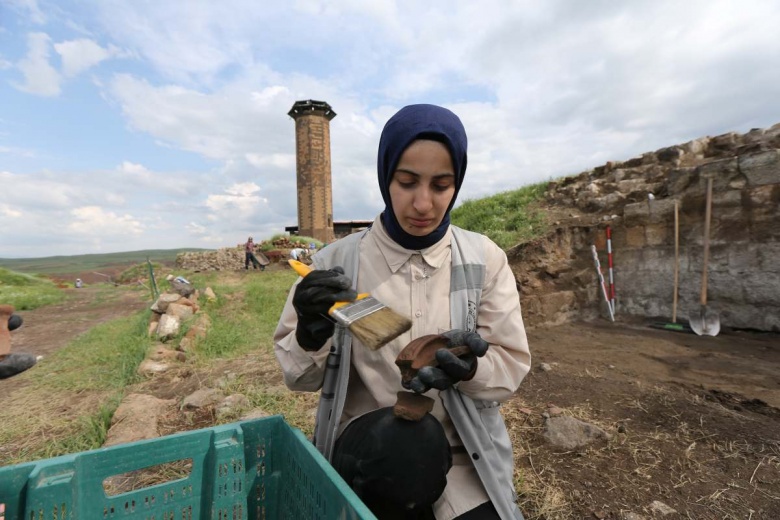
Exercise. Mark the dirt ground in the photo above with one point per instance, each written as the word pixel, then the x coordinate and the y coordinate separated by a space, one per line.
pixel 52 327
pixel 694 421
pixel 49 328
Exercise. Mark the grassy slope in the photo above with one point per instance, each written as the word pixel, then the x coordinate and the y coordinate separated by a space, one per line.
pixel 508 218
pixel 26 292
pixel 77 263
pixel 100 366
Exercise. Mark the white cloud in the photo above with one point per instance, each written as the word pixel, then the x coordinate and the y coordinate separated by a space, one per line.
pixel 278 160
pixel 21 152
pixel 239 201
pixel 94 220
pixel 39 193
pixel 132 168
pixel 40 77
pixel 544 88
pixel 30 8
pixel 82 54
pixel 196 48
pixel 222 125
pixel 185 43
pixel 136 176
pixel 8 211
pixel 196 229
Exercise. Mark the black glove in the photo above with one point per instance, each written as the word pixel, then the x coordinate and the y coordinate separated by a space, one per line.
pixel 313 297
pixel 14 322
pixel 451 369
pixel 15 363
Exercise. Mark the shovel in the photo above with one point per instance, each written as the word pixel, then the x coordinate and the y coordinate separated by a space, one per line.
pixel 677 327
pixel 676 258
pixel 706 321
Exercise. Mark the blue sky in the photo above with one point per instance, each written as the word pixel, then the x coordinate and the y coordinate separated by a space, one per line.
pixel 129 125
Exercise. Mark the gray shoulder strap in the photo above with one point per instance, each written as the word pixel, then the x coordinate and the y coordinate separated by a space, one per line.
pixel 468 277
pixel 344 253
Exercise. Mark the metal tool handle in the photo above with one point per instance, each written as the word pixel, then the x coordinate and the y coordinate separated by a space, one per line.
pixel 707 219
pixel 676 258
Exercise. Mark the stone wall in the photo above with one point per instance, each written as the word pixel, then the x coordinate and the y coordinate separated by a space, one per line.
pixel 225 259
pixel 636 198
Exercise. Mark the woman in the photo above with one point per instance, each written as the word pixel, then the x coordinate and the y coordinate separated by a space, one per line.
pixel 447 280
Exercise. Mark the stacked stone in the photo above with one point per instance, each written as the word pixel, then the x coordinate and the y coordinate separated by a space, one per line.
pixel 665 172
pixel 139 416
pixel 287 243
pixel 225 259
pixel 168 313
pixel 231 258
pixel 637 199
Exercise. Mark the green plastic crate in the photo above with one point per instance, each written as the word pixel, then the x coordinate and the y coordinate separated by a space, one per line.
pixel 258 469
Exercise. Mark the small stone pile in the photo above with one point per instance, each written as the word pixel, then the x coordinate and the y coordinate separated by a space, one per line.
pixel 138 416
pixel 173 308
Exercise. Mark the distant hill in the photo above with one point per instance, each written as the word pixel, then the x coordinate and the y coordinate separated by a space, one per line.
pixel 79 263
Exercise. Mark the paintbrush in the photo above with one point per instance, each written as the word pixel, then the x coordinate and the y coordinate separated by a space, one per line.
pixel 370 321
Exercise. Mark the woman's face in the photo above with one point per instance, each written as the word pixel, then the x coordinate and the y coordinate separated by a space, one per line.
pixel 422 187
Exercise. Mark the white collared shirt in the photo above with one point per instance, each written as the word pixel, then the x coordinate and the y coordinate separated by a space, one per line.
pixel 417 284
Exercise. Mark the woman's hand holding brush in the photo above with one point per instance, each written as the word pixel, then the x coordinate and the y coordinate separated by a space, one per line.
pixel 314 296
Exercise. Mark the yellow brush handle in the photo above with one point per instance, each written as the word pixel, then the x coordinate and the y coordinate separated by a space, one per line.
pixel 299 267
pixel 303 269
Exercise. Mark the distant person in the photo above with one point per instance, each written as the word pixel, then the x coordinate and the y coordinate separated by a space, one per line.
pixel 249 256
pixel 12 363
pixel 79 284
pixel 181 285
pixel 298 253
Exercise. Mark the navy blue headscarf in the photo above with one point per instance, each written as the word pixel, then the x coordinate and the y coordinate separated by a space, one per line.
pixel 408 124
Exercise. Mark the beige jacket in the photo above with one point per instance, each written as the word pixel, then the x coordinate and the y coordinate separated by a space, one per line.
pixel 417 284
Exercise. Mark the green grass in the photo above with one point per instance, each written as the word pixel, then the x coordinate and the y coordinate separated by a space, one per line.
pixel 508 218
pixel 26 292
pixel 104 358
pixel 101 364
pixel 87 433
pixel 140 271
pixel 294 406
pixel 244 316
pixel 103 293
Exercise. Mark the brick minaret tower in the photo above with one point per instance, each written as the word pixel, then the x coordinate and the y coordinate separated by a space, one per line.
pixel 312 146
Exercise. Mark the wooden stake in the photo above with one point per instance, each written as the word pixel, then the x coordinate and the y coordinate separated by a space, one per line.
pixel 676 258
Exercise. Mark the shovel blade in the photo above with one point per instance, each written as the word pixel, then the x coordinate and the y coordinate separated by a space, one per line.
pixel 705 323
